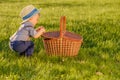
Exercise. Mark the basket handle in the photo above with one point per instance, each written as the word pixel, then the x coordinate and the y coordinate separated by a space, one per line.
pixel 62 26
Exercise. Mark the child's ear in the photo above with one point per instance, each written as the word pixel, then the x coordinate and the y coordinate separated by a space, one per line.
pixel 30 18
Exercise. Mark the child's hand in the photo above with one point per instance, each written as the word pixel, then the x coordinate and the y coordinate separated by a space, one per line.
pixel 41 29
pixel 38 28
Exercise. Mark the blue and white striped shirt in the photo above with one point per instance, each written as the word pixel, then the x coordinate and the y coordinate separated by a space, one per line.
pixel 25 31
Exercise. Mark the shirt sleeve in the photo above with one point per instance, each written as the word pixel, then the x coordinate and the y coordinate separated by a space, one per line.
pixel 32 31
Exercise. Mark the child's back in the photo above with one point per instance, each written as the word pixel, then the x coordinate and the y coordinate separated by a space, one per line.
pixel 20 40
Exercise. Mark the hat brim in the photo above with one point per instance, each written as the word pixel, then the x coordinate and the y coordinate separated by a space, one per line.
pixel 31 16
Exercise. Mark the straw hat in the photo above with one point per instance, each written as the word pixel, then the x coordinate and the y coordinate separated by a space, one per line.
pixel 27 12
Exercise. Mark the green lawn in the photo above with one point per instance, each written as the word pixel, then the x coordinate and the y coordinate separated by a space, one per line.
pixel 98 21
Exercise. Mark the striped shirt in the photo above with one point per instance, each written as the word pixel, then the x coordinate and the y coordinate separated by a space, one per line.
pixel 25 31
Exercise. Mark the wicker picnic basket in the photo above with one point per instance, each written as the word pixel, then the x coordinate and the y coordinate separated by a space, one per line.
pixel 62 43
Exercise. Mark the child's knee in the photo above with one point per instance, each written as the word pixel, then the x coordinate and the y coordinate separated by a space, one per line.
pixel 32 43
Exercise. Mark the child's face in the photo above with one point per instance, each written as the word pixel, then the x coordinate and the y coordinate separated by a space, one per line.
pixel 34 19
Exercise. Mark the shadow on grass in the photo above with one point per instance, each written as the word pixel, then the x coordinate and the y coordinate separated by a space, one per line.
pixel 8 53
pixel 8 15
pixel 10 1
pixel 5 49
pixel 61 5
pixel 4 45
pixel 43 5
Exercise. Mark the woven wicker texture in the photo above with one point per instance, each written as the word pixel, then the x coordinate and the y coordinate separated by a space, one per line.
pixel 62 43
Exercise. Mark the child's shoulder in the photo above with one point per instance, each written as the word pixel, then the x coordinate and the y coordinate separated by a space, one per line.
pixel 28 24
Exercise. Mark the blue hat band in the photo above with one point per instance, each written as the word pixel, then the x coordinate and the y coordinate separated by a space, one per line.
pixel 34 11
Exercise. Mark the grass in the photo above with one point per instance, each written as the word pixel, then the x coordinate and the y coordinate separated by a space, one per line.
pixel 98 21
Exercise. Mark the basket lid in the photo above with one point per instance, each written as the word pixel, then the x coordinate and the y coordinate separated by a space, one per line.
pixel 62 33
pixel 56 35
pixel 71 35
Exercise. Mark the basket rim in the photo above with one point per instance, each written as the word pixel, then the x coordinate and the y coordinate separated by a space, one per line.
pixel 64 37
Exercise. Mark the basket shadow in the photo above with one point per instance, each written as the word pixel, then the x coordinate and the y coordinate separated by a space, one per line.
pixel 4 45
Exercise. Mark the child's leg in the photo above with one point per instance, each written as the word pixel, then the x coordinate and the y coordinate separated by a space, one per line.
pixel 22 47
pixel 18 46
pixel 30 49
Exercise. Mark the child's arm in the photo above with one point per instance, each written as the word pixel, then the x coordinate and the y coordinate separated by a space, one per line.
pixel 39 28
pixel 40 31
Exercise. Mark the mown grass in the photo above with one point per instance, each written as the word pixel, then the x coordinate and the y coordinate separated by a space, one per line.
pixel 98 21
